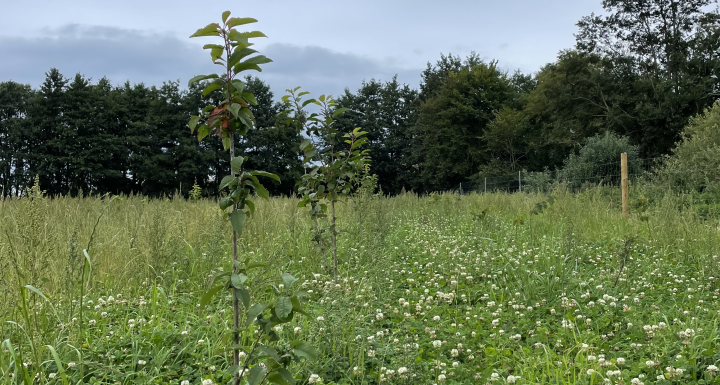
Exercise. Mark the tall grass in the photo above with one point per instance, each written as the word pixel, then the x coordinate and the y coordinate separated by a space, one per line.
pixel 58 253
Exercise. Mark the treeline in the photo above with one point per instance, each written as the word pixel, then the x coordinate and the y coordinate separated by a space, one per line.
pixel 87 138
pixel 640 72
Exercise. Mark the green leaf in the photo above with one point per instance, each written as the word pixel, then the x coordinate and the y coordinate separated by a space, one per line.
pixel 193 123
pixel 226 181
pixel 287 375
pixel 237 218
pixel 238 54
pixel 59 364
pixel 303 350
pixel 216 53
pixel 225 16
pixel 277 378
pixel 288 279
pixel 210 88
pixel 250 205
pixel 259 59
pixel 235 21
pixel 225 202
pixel 252 34
pixel 265 174
pixel 297 307
pixel 213 46
pixel 235 109
pixel 246 66
pixel 203 131
pixel 255 375
pixel 239 85
pixel 238 280
pixel 339 111
pixel 207 297
pixel 36 291
pixel 208 30
pixel 244 296
pixel 236 163
pixel 250 98
pixel 270 352
pixel 305 144
pixel 254 311
pixel 198 78
pixel 260 190
pixel 283 307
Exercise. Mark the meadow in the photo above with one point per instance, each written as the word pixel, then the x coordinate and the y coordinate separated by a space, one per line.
pixel 445 289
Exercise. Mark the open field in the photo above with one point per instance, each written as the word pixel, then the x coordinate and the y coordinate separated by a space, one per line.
pixel 431 290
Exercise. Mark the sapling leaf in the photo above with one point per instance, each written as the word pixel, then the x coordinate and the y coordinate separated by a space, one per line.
pixel 235 21
pixel 207 297
pixel 225 16
pixel 208 30
pixel 237 218
pixel 236 163
pixel 198 78
pixel 254 311
pixel 283 307
pixel 255 375
pixel 265 174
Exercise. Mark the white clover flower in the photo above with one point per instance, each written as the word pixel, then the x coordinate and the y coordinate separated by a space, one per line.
pixel 52 375
pixel 314 379
pixel 437 343
pixel 297 330
pixel 454 353
pixel 712 369
pixel 402 370
pixel 185 382
pixel 141 362
pixel 71 365
pixel 620 361
pixel 320 318
pixel 590 372
pixel 184 333
pixel 511 379
pixel 207 382
pixel 636 381
pixel 200 342
pixel 441 378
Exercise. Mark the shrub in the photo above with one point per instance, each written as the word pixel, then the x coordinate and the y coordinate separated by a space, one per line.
pixel 695 161
pixel 598 161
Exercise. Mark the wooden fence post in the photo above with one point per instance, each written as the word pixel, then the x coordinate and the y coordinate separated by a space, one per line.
pixel 624 185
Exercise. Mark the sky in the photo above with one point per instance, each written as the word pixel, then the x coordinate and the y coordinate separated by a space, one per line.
pixel 322 46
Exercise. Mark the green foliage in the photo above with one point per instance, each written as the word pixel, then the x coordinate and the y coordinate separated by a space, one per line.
pixel 387 112
pixel 695 160
pixel 195 192
pixel 598 158
pixel 449 143
pixel 335 158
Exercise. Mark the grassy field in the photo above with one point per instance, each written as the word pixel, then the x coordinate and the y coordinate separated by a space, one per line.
pixel 451 289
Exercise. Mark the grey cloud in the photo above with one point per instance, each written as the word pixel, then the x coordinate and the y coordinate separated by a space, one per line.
pixel 151 58
pixel 323 71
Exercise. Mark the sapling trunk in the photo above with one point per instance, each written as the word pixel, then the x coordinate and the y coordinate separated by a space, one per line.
pixel 334 238
pixel 236 303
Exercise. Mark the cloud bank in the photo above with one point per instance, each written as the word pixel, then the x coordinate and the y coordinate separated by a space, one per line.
pixel 152 58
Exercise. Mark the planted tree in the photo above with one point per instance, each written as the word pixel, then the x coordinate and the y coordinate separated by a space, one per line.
pixel 334 158
pixel 231 118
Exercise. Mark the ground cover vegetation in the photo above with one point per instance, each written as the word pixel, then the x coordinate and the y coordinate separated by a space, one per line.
pixel 449 288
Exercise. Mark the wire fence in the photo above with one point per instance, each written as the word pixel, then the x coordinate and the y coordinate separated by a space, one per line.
pixel 580 177
pixel 576 177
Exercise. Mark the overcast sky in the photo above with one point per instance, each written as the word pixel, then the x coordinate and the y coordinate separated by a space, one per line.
pixel 322 46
